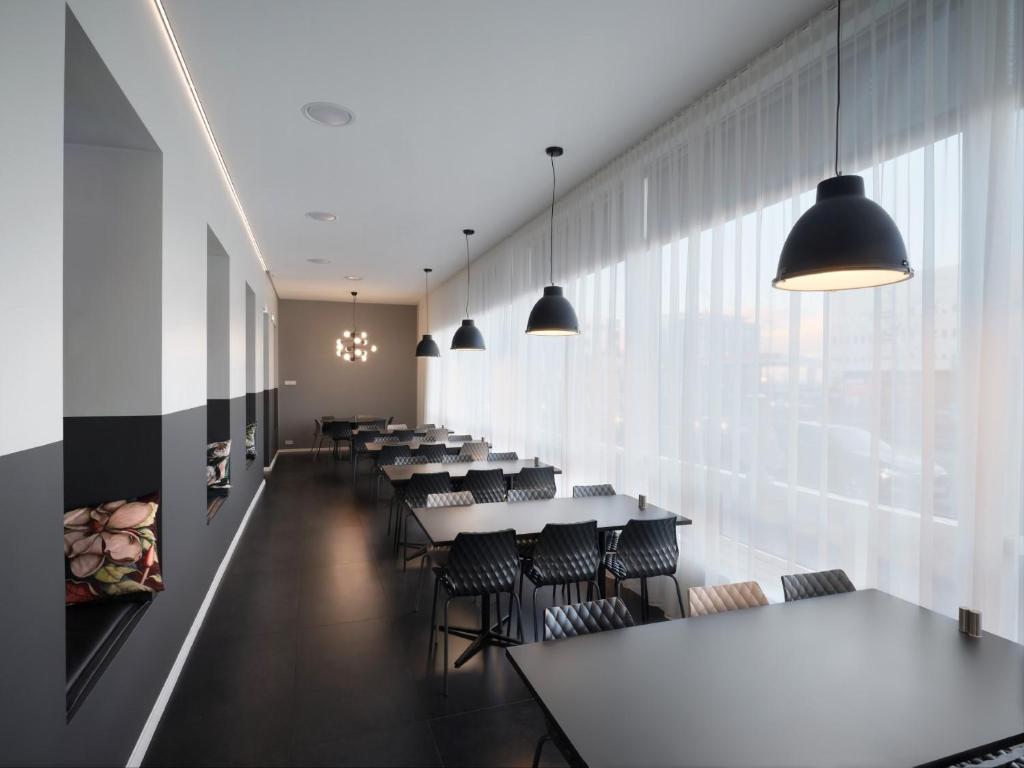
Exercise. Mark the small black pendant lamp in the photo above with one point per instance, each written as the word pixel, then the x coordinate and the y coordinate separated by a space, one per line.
pixel 468 337
pixel 427 346
pixel 552 315
pixel 844 240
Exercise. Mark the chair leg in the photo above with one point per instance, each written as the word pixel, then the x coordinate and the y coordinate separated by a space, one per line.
pixel 536 615
pixel 519 616
pixel 446 603
pixel 432 640
pixel 679 597
pixel 538 749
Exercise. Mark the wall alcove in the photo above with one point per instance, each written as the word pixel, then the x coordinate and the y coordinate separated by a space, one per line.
pixel 218 373
pixel 113 217
pixel 252 407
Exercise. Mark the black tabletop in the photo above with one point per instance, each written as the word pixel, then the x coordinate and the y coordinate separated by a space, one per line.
pixel 443 524
pixel 862 679
pixel 400 475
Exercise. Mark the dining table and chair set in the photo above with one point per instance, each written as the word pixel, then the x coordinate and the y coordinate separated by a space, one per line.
pixel 831 676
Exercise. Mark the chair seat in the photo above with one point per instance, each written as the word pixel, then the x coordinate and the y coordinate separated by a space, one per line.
pixel 645 571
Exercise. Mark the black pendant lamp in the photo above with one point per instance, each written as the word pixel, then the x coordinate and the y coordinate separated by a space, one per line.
pixel 844 240
pixel 427 346
pixel 552 315
pixel 468 337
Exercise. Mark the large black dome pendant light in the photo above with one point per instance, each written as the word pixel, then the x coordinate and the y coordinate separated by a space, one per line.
pixel 427 346
pixel 468 337
pixel 552 315
pixel 844 240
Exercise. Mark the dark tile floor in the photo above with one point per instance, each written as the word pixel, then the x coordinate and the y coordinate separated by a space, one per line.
pixel 312 654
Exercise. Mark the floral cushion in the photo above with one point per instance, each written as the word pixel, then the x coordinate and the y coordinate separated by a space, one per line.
pixel 110 550
pixel 250 441
pixel 218 465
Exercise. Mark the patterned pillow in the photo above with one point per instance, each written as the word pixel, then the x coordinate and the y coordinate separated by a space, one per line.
pixel 250 441
pixel 110 550
pixel 218 466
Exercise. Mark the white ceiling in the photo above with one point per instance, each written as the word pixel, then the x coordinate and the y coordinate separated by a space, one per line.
pixel 455 101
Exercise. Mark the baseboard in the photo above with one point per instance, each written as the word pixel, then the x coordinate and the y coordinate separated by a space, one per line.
pixel 146 735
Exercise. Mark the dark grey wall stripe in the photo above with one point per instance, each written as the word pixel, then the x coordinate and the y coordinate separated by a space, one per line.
pixel 32 697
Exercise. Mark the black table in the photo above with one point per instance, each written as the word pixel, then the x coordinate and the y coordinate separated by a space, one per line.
pixel 398 476
pixel 861 679
pixel 443 524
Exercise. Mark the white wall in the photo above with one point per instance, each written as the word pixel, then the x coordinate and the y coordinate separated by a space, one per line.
pixel 31 216
pixel 129 38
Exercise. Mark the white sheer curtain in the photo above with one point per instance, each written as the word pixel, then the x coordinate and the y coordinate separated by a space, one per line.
pixel 878 431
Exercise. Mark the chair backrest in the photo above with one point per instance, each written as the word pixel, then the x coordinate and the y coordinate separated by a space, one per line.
pixel 453 499
pixel 476 450
pixel 486 485
pixel 459 438
pixel 648 547
pixel 404 461
pixel 566 553
pixel 449 458
pixel 395 427
pixel 436 435
pixel 562 621
pixel 338 430
pixel 318 427
pixel 482 563
pixel 403 435
pixel 584 491
pixel 1007 757
pixel 423 484
pixel 799 586
pixel 507 456
pixel 529 494
pixel 424 427
pixel 434 452
pixel 386 439
pixel 725 597
pixel 535 477
pixel 365 436
pixel 389 453
pixel 381 423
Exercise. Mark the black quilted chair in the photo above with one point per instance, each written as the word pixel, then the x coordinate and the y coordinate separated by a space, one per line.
pixel 434 452
pixel 337 432
pixel 565 554
pixel 646 548
pixel 516 495
pixel 800 586
pixel 404 461
pixel 359 443
pixel 535 477
pixel 486 485
pixel 479 565
pixel 388 456
pixel 611 538
pixel 506 456
pixel 572 621
pixel 403 435
pixel 459 438
pixel 449 458
pixel 416 491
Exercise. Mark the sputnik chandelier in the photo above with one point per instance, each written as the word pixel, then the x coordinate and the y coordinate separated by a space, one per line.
pixel 354 345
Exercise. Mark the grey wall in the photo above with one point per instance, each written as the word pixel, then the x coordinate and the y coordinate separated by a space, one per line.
pixel 112 281
pixel 218 319
pixel 325 385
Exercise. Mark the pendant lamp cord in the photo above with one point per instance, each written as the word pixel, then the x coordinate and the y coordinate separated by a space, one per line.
pixel 551 231
pixel 839 66
pixel 467 275
pixel 426 293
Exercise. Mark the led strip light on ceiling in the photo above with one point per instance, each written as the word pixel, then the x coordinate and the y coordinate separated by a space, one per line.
pixel 209 131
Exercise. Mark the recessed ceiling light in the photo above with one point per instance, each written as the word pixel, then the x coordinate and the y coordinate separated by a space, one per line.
pixel 326 113
pixel 353 277
pixel 319 261
pixel 321 216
